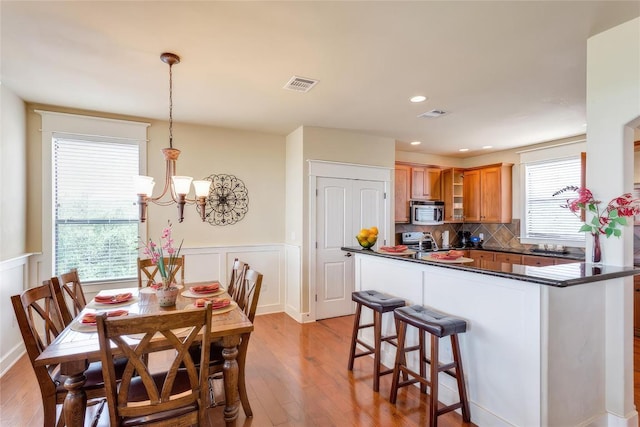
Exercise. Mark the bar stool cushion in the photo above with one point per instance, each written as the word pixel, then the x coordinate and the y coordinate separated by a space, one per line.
pixel 377 300
pixel 432 321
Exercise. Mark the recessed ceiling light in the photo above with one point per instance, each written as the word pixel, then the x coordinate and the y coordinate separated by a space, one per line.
pixel 418 98
pixel 463 149
pixel 486 147
pixel 415 142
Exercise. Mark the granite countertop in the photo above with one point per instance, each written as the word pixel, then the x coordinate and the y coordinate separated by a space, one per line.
pixel 578 256
pixel 561 275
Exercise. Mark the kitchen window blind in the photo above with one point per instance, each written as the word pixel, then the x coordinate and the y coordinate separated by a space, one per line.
pixel 545 219
pixel 95 218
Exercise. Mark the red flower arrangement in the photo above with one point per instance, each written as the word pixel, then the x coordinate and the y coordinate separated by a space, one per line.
pixel 604 221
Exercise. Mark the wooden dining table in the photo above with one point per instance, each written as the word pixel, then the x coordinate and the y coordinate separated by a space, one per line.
pixel 77 346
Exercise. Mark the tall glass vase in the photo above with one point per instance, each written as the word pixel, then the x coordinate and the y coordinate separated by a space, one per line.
pixel 596 254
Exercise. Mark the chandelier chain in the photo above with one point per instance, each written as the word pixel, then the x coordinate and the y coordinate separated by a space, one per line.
pixel 170 105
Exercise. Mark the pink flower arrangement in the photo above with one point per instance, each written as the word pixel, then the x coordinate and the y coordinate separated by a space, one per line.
pixel 604 221
pixel 156 253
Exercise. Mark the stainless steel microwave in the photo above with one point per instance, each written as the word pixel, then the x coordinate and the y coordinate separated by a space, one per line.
pixel 427 212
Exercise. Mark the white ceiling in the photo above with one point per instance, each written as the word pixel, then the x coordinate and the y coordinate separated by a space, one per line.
pixel 509 73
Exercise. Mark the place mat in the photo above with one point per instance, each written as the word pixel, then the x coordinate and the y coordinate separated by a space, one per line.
pixel 226 309
pixel 78 326
pixel 178 331
pixel 403 253
pixel 190 294
pixel 100 306
pixel 460 260
pixel 152 290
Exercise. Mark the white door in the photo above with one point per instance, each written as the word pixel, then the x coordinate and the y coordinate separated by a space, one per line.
pixel 343 207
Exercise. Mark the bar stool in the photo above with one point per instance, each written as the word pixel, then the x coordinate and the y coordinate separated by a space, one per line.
pixel 380 303
pixel 438 325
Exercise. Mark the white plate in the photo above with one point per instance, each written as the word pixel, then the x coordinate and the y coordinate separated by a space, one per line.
pixel 406 252
pixel 214 312
pixel 190 294
pixel 150 290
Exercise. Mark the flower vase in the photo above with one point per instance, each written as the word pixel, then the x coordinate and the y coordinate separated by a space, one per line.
pixel 596 254
pixel 167 294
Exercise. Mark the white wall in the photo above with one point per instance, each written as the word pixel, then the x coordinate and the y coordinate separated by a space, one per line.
pixel 13 175
pixel 613 112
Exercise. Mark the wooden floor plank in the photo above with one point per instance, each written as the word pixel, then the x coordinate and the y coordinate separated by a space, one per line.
pixel 296 376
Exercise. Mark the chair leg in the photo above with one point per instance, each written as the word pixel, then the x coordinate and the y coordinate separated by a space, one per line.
pixel 400 359
pixel 354 336
pixel 462 390
pixel 242 386
pixel 423 359
pixel 377 335
pixel 433 400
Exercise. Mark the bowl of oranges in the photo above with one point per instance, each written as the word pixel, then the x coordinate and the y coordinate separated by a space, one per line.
pixel 367 237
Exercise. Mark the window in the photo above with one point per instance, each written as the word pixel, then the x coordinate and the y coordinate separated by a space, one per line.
pixel 95 220
pixel 81 156
pixel 544 220
pixel 543 171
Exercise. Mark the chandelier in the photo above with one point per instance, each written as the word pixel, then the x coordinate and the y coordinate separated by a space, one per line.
pixel 177 187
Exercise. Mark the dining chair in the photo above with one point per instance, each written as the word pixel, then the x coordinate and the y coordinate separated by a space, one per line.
pixel 250 292
pixel 149 270
pixel 175 397
pixel 238 271
pixel 40 322
pixel 67 290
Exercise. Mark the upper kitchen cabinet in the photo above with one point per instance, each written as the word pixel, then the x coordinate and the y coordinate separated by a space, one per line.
pixel 402 190
pixel 487 194
pixel 425 183
pixel 452 195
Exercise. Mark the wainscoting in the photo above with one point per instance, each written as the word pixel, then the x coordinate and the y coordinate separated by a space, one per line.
pixel 14 278
pixel 201 264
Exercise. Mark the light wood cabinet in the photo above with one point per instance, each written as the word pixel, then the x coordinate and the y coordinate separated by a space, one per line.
pixel 538 261
pixel 452 195
pixel 402 189
pixel 564 261
pixel 636 305
pixel 508 257
pixel 425 183
pixel 515 258
pixel 487 194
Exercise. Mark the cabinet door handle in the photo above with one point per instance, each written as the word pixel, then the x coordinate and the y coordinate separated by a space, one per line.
pixel 348 254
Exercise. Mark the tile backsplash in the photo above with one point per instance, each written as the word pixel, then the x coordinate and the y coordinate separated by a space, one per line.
pixel 496 236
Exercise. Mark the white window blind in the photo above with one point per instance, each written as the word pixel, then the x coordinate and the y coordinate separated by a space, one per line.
pixel 95 219
pixel 545 219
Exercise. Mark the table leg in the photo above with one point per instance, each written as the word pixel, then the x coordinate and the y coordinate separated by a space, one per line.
pixel 75 403
pixel 230 374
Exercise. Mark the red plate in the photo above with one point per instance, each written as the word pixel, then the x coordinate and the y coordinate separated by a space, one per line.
pixel 115 299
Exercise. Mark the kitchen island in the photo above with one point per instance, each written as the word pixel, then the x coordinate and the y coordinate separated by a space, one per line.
pixel 534 349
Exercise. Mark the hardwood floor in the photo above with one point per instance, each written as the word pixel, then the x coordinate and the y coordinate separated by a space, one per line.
pixel 296 375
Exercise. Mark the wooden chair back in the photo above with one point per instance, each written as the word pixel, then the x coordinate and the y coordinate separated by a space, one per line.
pixel 71 293
pixel 148 271
pixel 250 293
pixel 236 281
pixel 72 288
pixel 175 397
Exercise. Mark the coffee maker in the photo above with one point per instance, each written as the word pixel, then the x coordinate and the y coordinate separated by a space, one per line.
pixel 464 239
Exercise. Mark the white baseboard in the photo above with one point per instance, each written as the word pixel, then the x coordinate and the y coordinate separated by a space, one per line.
pixel 11 357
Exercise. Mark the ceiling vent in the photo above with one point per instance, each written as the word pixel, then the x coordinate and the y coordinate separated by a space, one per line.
pixel 432 114
pixel 300 84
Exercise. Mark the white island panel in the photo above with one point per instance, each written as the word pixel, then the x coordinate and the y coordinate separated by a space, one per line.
pixel 534 352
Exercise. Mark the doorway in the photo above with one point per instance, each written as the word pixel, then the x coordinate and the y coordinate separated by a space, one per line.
pixel 344 206
pixel 343 199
